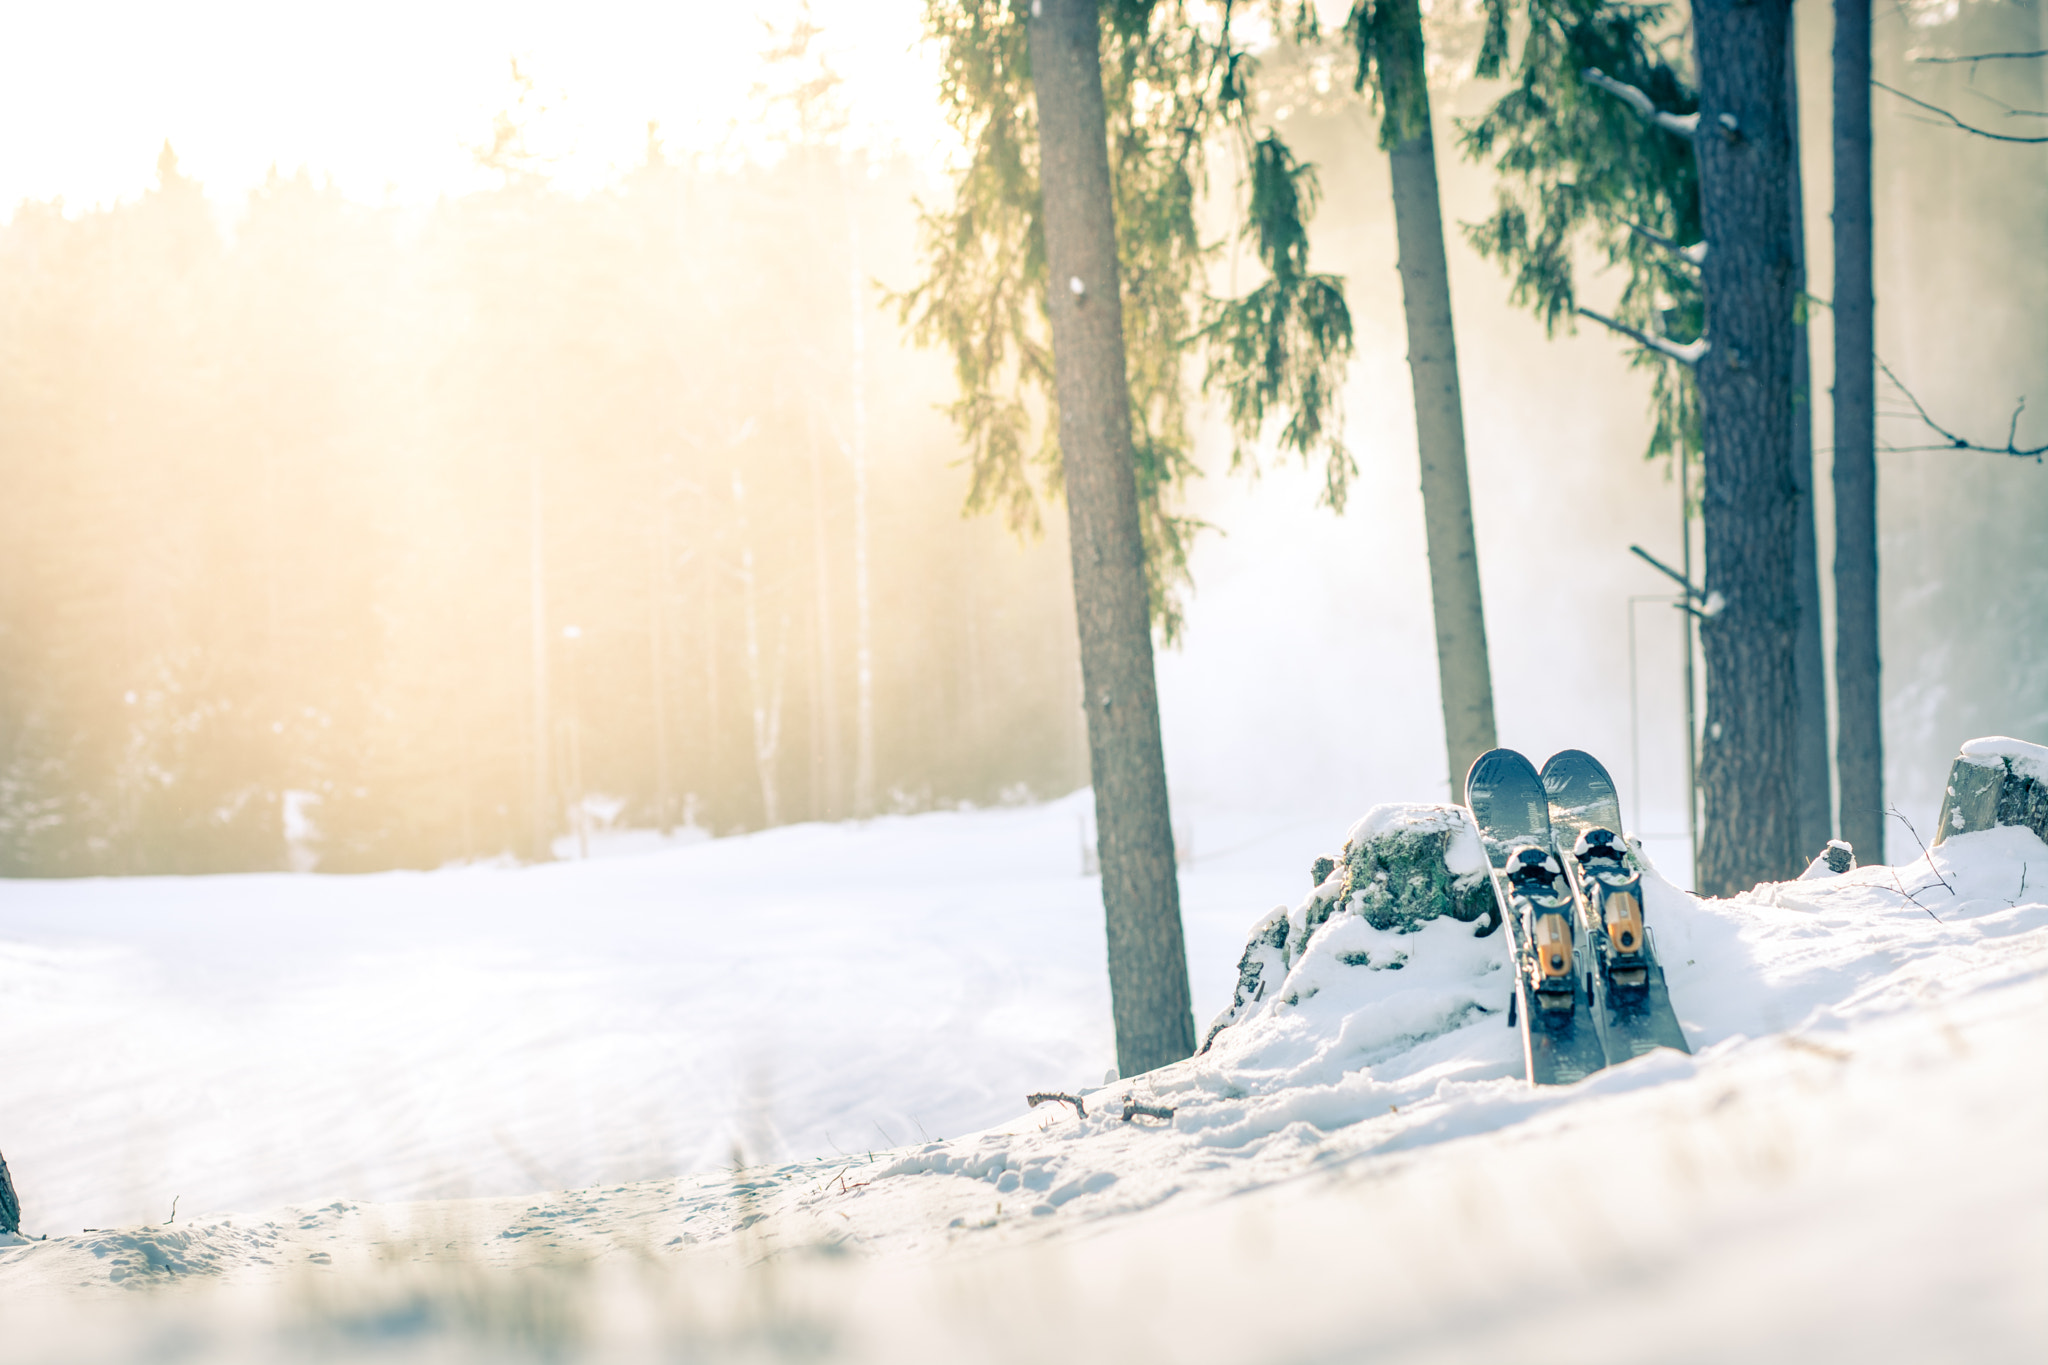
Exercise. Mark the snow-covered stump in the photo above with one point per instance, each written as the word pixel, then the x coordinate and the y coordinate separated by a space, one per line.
pixel 1402 865
pixel 1996 781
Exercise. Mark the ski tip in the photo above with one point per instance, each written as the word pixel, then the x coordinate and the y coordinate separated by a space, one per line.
pixel 1490 762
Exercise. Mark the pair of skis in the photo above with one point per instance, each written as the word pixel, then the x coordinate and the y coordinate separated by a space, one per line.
pixel 1589 991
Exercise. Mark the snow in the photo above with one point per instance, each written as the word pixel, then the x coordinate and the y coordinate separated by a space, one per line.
pixel 2028 760
pixel 1846 1168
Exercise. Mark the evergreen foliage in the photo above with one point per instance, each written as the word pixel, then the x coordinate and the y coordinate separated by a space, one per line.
pixel 1578 168
pixel 1174 79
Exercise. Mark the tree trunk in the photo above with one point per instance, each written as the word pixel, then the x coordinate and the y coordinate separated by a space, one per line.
pixel 543 834
pixel 1859 742
pixel 1148 973
pixel 1749 759
pixel 1464 678
pixel 863 651
pixel 828 778
pixel 763 691
pixel 657 670
pixel 1813 791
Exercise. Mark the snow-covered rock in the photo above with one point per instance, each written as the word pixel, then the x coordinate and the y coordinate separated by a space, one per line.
pixel 1402 865
pixel 1996 781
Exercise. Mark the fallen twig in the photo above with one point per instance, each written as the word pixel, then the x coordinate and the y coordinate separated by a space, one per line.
pixel 1910 896
pixel 1151 1111
pixel 1925 852
pixel 174 1208
pixel 1050 1096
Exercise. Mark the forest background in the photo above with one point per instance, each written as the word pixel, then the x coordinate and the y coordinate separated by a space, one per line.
pixel 270 470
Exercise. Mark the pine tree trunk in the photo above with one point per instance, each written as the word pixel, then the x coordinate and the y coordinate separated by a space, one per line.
pixel 1464 678
pixel 1749 759
pixel 863 651
pixel 657 670
pixel 543 835
pixel 1859 742
pixel 1148 974
pixel 828 779
pixel 1813 789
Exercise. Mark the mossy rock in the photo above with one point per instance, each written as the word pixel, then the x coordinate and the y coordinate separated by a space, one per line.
pixel 1401 878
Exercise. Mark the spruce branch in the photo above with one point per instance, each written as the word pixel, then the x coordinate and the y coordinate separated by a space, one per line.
pixel 1684 125
pixel 1966 127
pixel 1694 255
pixel 1691 353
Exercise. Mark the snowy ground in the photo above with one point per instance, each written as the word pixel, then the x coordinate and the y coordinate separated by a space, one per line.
pixel 1849 1167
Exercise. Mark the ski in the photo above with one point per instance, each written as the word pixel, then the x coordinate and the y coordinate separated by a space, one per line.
pixel 1550 1004
pixel 1631 1005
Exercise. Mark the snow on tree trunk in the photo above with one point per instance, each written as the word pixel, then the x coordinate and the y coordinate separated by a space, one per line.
pixel 1749 764
pixel 1148 974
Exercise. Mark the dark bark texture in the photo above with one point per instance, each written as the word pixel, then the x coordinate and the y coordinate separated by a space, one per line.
pixel 1148 973
pixel 1749 760
pixel 1859 741
pixel 1463 672
pixel 1814 790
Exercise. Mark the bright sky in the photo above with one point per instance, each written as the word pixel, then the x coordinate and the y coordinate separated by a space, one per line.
pixel 386 96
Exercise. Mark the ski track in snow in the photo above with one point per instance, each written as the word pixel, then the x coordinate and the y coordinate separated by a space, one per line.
pixel 1852 1153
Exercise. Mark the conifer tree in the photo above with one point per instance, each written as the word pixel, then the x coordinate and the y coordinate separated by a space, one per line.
pixel 1602 136
pixel 1040 317
pixel 1387 35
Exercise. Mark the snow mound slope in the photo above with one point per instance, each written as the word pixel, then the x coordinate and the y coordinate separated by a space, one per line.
pixel 1858 1039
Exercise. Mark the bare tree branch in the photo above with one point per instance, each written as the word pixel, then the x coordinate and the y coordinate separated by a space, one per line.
pixel 1966 127
pixel 1685 125
pixel 1688 354
pixel 1985 57
pixel 1951 441
pixel 1696 254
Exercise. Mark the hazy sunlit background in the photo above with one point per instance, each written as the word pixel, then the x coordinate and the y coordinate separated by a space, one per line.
pixel 310 319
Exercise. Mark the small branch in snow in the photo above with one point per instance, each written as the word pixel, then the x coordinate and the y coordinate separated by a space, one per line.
pixel 1925 852
pixel 1910 896
pixel 1151 1111
pixel 1055 1096
pixel 1696 254
pixel 174 1208
pixel 1689 354
pixel 1684 125
pixel 1966 127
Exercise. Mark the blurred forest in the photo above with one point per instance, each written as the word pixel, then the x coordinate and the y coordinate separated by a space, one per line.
pixel 323 500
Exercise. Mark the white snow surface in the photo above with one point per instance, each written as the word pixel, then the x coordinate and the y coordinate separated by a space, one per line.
pixel 1462 856
pixel 2029 760
pixel 1848 1167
